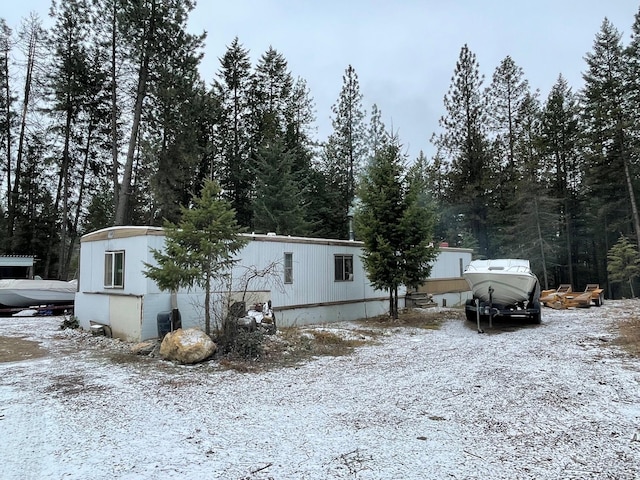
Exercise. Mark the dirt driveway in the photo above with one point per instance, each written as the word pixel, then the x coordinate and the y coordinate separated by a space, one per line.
pixel 556 401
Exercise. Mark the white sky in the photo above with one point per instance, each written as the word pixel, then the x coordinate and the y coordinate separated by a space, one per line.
pixel 404 52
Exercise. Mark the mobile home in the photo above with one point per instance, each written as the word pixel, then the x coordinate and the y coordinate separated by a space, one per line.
pixel 307 280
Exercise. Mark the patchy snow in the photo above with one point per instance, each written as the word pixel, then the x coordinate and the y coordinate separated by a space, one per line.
pixel 554 401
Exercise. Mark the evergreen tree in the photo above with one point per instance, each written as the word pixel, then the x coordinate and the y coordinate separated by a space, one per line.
pixel 607 119
pixel 6 110
pixel 282 147
pixel 344 151
pixel 99 212
pixel 36 214
pixel 75 91
pixel 418 224
pixel 624 263
pixel 300 129
pixel 30 41
pixel 299 139
pixel 277 206
pixel 377 135
pixel 464 146
pixel 395 228
pixel 176 108
pixel 505 96
pixel 146 28
pixel 232 142
pixel 560 136
pixel 272 90
pixel 200 248
pixel 631 65
pixel 533 231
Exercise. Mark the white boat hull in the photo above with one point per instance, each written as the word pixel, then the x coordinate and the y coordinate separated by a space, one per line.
pixel 503 282
pixel 27 293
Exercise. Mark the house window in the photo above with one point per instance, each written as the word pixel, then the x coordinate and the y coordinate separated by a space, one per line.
pixel 114 269
pixel 288 268
pixel 343 268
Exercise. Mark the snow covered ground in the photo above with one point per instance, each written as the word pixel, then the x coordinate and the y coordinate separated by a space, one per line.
pixel 554 401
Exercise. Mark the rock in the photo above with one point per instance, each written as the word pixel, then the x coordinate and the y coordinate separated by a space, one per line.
pixel 189 345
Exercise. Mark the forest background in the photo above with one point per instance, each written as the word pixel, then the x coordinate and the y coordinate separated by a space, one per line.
pixel 105 120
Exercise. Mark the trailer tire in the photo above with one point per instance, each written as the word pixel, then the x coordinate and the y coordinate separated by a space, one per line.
pixel 599 301
pixel 537 313
pixel 470 314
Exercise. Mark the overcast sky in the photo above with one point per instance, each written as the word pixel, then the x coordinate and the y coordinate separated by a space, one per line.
pixel 405 51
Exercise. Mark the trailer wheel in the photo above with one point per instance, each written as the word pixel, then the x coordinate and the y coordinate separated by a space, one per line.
pixel 470 314
pixel 600 300
pixel 537 313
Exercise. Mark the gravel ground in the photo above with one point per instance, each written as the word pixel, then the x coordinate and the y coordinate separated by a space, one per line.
pixel 553 401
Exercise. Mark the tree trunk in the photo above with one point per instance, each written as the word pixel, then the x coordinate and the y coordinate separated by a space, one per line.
pixel 7 93
pixel 13 200
pixel 73 237
pixel 540 239
pixel 395 303
pixel 64 175
pixel 207 303
pixel 114 109
pixel 141 92
pixel 567 223
pixel 632 197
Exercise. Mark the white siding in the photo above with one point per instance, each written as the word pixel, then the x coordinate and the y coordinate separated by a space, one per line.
pixel 448 262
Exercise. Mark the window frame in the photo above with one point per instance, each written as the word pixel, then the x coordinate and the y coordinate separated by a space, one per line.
pixel 114 269
pixel 343 267
pixel 288 267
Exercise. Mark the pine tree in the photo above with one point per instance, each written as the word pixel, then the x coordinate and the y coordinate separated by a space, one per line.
pixel 345 151
pixel 231 138
pixel 418 224
pixel 623 263
pixel 609 150
pixel 395 226
pixel 176 108
pixel 607 118
pixel 505 97
pixel 533 231
pixel 149 29
pixel 200 248
pixel 300 144
pixel 30 41
pixel 464 146
pixel 271 92
pixel 507 92
pixel 631 64
pixel 277 206
pixel 74 90
pixel 6 109
pixel 560 136
pixel 377 135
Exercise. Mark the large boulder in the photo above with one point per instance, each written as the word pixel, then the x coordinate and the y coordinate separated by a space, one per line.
pixel 189 345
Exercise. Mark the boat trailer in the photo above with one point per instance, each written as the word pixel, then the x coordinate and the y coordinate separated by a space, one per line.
pixel 477 310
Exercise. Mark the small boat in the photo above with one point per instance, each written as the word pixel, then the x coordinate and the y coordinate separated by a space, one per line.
pixel 29 293
pixel 501 282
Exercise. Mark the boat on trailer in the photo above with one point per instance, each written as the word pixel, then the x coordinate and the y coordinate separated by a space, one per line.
pixel 502 287
pixel 22 293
